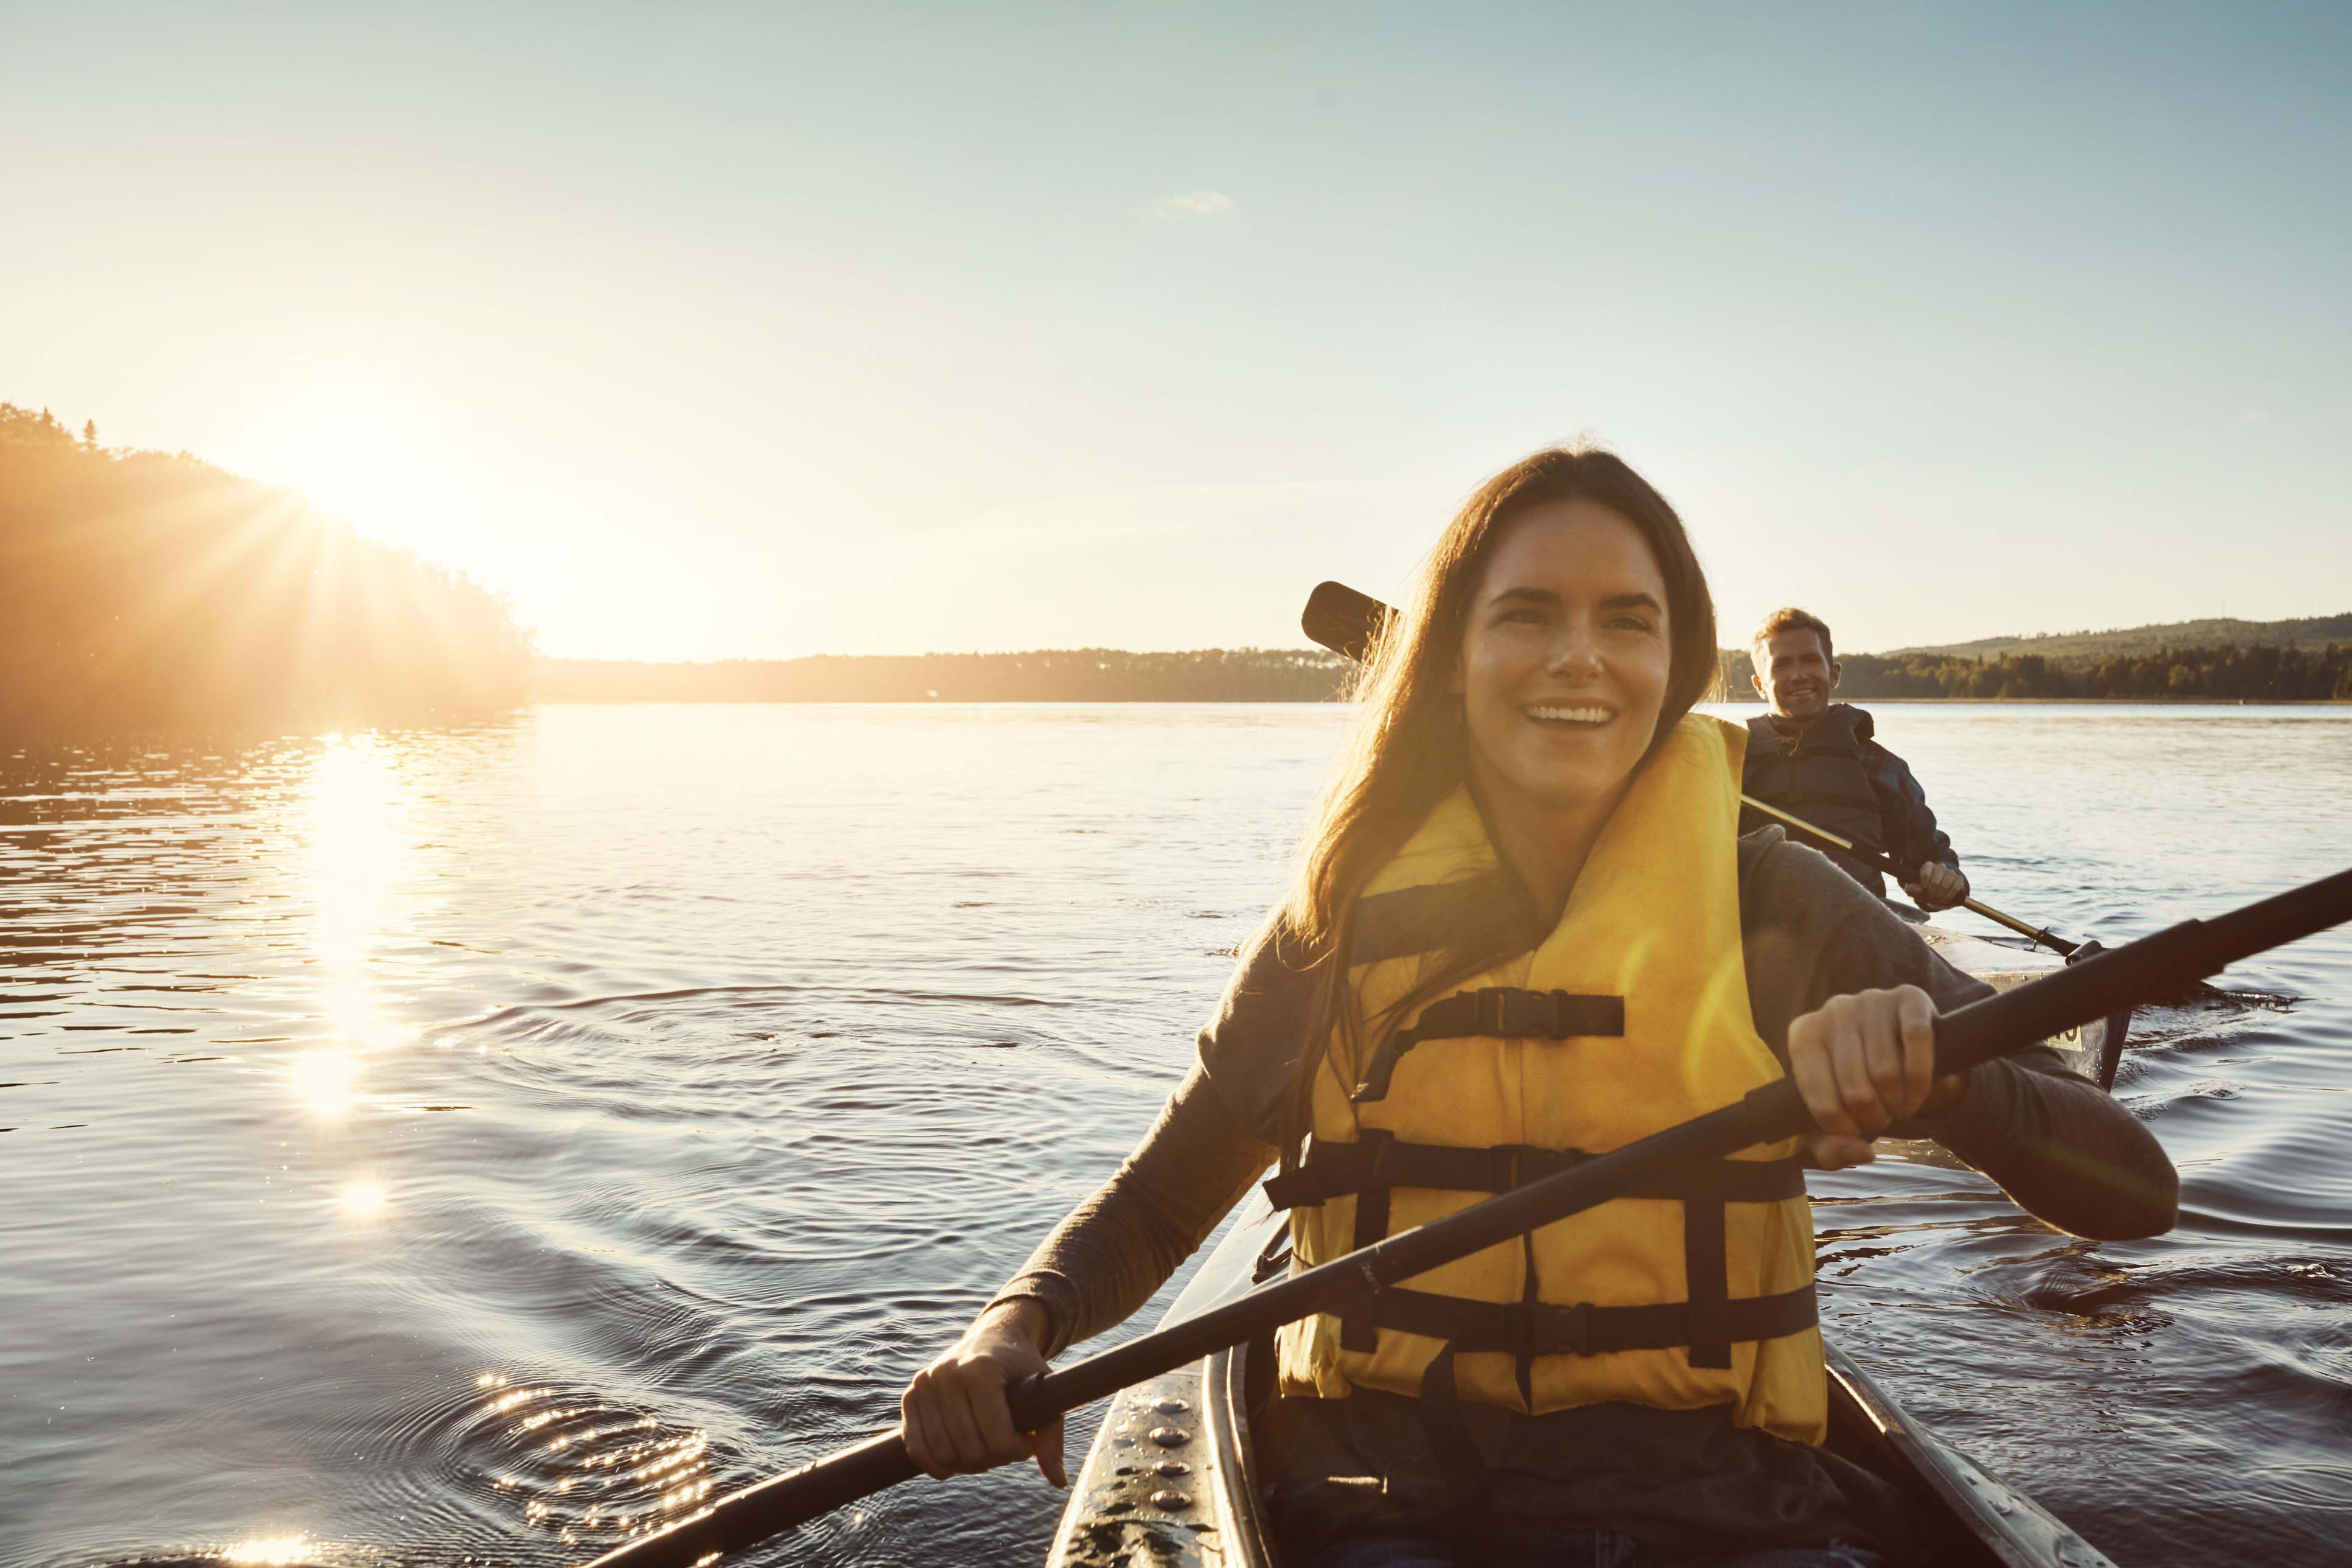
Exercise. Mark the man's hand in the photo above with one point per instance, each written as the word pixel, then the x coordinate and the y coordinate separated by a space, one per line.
pixel 1863 1063
pixel 1937 886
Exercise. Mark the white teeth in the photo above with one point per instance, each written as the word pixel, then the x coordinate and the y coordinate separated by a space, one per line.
pixel 1573 715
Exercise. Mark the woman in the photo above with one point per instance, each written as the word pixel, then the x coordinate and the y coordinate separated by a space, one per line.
pixel 1524 927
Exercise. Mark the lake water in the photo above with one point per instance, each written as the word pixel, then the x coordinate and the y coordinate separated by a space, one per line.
pixel 449 1146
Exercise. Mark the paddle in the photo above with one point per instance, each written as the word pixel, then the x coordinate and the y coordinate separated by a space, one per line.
pixel 1346 621
pixel 1885 864
pixel 1994 1026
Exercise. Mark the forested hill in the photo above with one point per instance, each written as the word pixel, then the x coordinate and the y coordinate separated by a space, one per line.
pixel 1071 675
pixel 144 591
pixel 2080 648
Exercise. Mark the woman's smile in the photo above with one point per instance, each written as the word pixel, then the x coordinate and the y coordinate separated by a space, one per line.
pixel 1571 716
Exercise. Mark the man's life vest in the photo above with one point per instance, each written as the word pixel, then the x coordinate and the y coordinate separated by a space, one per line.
pixel 1817 775
pixel 1632 1016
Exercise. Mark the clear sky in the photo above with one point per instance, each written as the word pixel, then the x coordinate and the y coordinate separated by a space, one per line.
pixel 718 330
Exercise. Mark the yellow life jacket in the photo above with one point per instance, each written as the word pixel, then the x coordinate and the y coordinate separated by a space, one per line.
pixel 1632 1016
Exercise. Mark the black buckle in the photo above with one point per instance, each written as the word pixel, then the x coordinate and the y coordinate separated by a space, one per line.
pixel 1568 1331
pixel 1508 1013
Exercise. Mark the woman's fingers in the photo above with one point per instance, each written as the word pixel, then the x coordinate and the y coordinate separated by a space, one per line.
pixel 1914 1021
pixel 1848 1021
pixel 916 1429
pixel 1836 1150
pixel 991 1421
pixel 1864 1062
pixel 1811 1064
pixel 955 1416
pixel 1884 1054
pixel 958 1432
pixel 1047 1443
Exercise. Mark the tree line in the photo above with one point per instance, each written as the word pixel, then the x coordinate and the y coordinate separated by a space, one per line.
pixel 2262 674
pixel 153 591
pixel 1286 675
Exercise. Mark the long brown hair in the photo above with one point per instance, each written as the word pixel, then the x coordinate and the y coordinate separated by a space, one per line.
pixel 1410 751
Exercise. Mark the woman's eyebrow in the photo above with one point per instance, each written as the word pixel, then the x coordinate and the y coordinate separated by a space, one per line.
pixel 1632 602
pixel 1526 596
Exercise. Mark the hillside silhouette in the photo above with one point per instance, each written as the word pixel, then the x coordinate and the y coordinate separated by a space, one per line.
pixel 2261 674
pixel 147 591
pixel 2084 649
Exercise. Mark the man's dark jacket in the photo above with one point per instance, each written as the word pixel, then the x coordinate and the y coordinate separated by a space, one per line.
pixel 1835 776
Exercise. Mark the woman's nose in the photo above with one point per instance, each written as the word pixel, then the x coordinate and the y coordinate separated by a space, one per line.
pixel 1576 653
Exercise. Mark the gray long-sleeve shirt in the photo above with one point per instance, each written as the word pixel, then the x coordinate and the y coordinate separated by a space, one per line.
pixel 1685 1480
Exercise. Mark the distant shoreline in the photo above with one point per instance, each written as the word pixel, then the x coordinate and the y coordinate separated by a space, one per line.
pixel 2205 676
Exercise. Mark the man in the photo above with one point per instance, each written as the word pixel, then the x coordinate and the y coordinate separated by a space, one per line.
pixel 1816 760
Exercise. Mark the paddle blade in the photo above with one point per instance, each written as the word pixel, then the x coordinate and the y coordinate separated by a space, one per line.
pixel 1339 618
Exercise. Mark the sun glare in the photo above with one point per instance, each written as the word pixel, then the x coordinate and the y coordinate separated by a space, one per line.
pixel 357 453
pixel 269 1550
pixel 355 825
pixel 363 1199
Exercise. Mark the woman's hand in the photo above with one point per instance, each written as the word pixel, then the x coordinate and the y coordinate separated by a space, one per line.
pixel 1864 1062
pixel 953 1416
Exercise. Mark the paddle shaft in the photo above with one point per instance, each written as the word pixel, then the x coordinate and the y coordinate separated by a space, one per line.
pixel 1878 862
pixel 1346 622
pixel 1993 1027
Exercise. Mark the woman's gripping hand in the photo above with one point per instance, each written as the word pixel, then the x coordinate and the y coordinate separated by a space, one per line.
pixel 1863 1063
pixel 954 1417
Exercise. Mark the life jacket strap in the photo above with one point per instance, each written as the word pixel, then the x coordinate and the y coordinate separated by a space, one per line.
pixel 1381 1160
pixel 1530 1328
pixel 1468 1479
pixel 1498 1012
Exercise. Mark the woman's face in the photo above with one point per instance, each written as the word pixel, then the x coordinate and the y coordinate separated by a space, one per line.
pixel 1565 658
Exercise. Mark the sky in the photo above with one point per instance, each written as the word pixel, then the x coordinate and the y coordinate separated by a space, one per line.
pixel 709 332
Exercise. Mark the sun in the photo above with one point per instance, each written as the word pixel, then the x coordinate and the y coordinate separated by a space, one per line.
pixel 359 452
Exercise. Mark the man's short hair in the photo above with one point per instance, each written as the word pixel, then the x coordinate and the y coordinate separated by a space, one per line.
pixel 1789 618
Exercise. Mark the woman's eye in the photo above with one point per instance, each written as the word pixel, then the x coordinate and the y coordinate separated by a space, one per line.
pixel 1631 624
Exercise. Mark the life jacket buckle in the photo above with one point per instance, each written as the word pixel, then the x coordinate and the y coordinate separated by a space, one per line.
pixel 1505 1012
pixel 1575 1330
pixel 1556 1331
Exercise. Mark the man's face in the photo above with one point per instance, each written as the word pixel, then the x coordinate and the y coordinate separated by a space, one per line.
pixel 1794 676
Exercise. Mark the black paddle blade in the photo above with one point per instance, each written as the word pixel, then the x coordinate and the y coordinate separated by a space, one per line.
pixel 1339 618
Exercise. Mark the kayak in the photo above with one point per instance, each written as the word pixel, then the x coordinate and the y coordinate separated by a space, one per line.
pixel 2094 1050
pixel 1174 1476
pixel 1173 1479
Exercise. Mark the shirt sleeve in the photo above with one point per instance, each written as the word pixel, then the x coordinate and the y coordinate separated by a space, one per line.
pixel 1214 1137
pixel 1110 1253
pixel 1250 1049
pixel 1913 838
pixel 2059 1146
